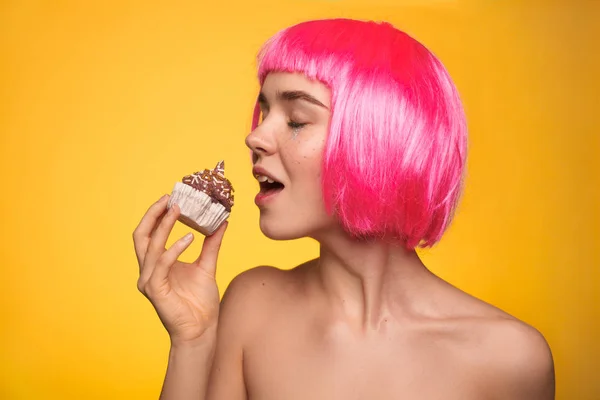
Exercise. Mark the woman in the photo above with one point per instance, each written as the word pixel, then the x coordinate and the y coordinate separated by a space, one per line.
pixel 364 134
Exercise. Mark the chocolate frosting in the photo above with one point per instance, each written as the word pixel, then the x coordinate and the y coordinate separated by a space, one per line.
pixel 214 184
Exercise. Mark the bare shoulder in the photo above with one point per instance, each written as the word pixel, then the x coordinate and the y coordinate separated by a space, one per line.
pixel 243 314
pixel 509 358
pixel 254 285
pixel 253 279
pixel 254 293
pixel 519 358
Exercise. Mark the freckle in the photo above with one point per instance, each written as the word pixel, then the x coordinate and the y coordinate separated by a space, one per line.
pixel 263 284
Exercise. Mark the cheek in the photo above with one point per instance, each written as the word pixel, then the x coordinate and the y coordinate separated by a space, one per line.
pixel 305 176
pixel 304 152
pixel 304 164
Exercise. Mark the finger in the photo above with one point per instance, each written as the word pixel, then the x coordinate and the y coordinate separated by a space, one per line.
pixel 158 221
pixel 159 238
pixel 168 258
pixel 146 267
pixel 143 232
pixel 210 250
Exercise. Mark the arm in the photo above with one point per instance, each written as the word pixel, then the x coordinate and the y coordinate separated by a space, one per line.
pixel 244 311
pixel 188 369
pixel 212 369
pixel 184 295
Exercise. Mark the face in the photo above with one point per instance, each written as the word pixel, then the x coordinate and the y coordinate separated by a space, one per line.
pixel 287 148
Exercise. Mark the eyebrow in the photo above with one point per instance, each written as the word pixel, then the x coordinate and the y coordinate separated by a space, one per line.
pixel 291 95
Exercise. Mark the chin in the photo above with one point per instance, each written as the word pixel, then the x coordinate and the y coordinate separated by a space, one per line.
pixel 280 230
pixel 290 229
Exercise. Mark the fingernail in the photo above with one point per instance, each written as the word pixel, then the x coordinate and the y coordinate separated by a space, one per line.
pixel 164 197
pixel 188 237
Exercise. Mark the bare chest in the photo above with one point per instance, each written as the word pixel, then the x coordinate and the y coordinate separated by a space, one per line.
pixel 305 366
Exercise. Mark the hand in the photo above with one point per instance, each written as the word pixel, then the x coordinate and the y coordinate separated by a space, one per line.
pixel 184 295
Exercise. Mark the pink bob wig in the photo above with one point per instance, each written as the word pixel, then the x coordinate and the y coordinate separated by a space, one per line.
pixel 394 158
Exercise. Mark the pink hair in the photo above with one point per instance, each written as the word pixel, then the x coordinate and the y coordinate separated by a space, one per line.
pixel 395 154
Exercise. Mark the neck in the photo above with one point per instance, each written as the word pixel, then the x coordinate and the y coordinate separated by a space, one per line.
pixel 369 282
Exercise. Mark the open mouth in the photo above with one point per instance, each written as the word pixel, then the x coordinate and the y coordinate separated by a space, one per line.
pixel 270 187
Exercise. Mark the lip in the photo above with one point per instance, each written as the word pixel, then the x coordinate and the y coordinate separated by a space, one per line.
pixel 262 199
pixel 258 170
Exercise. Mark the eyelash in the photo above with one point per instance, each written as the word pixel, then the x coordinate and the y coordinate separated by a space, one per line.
pixel 295 125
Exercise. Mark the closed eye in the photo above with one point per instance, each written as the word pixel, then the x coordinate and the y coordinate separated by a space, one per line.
pixel 295 125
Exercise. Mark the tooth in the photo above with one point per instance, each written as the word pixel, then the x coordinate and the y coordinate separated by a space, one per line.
pixel 261 178
pixel 270 180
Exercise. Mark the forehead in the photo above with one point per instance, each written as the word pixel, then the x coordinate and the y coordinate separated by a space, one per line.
pixel 287 81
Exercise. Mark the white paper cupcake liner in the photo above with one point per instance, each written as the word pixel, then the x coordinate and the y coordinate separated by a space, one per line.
pixel 198 210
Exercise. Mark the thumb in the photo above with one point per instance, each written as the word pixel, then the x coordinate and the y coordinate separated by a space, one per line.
pixel 210 250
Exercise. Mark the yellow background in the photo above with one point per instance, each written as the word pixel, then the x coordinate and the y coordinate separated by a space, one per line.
pixel 105 104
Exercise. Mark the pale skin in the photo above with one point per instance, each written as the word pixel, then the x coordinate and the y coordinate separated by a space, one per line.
pixel 365 320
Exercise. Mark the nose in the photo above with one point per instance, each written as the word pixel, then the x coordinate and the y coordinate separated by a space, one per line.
pixel 260 142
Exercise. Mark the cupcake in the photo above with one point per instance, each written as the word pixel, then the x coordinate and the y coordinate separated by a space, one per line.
pixel 205 199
